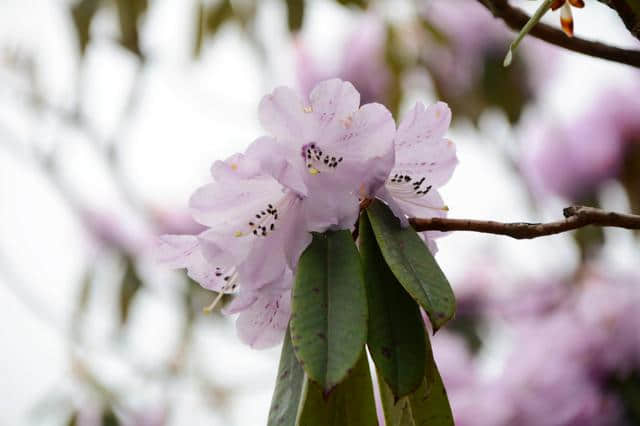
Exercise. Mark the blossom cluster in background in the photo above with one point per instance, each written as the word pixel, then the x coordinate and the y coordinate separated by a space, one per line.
pixel 569 347
pixel 325 154
pixel 574 161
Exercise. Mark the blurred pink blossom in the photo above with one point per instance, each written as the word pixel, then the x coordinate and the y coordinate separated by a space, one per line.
pixel 572 161
pixel 472 34
pixel 362 62
pixel 115 230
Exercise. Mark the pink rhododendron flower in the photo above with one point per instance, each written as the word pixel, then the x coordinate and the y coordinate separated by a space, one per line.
pixel 337 147
pixel 424 161
pixel 262 205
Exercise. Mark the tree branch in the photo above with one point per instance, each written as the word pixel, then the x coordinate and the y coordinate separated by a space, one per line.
pixel 629 12
pixel 575 217
pixel 516 19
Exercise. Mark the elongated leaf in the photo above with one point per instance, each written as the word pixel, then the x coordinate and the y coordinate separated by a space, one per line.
pixel 216 16
pixel 329 308
pixel 426 406
pixel 396 329
pixel 295 14
pixel 199 31
pixel 82 14
pixel 358 3
pixel 129 13
pixel 413 265
pixel 351 403
pixel 129 287
pixel 286 396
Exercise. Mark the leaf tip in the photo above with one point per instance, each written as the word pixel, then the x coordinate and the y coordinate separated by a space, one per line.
pixel 508 58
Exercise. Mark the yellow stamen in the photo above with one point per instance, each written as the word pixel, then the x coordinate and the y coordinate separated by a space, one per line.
pixel 238 234
pixel 213 304
pixel 307 109
pixel 234 166
pixel 313 171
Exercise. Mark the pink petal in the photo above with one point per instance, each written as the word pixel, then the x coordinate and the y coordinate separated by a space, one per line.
pixel 333 100
pixel 280 162
pixel 186 251
pixel 228 202
pixel 421 150
pixel 264 324
pixel 282 113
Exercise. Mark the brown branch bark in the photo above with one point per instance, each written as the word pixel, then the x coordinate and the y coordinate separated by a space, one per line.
pixel 516 19
pixel 629 16
pixel 575 217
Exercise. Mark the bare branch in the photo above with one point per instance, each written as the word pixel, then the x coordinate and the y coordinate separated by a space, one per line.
pixel 629 12
pixel 516 19
pixel 575 217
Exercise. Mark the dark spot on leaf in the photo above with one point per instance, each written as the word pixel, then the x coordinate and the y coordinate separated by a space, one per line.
pixel 386 352
pixel 315 290
pixel 284 374
pixel 321 335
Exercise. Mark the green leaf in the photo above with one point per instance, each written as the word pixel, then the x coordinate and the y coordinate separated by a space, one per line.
pixel 396 328
pixel 286 396
pixel 362 4
pixel 216 16
pixel 82 14
pixel 199 31
pixel 109 418
pixel 129 13
pixel 129 287
pixel 351 403
pixel 413 265
pixel 329 308
pixel 426 406
pixel 532 22
pixel 295 14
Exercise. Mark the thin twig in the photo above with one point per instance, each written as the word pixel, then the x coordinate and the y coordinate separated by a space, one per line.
pixel 516 19
pixel 575 217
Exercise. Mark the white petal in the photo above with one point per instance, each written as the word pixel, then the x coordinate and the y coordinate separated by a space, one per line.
pixel 422 126
pixel 186 251
pixel 263 325
pixel 333 100
pixel 282 113
pixel 228 202
pixel 279 161
pixel 429 205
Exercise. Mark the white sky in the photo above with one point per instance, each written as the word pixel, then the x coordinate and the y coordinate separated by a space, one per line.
pixel 191 114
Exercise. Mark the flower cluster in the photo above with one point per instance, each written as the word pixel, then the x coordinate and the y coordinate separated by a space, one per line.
pixel 325 154
pixel 564 354
pixel 575 160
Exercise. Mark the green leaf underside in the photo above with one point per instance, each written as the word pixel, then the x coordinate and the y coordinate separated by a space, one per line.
pixel 426 406
pixel 413 265
pixel 329 308
pixel 286 396
pixel 350 403
pixel 396 334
